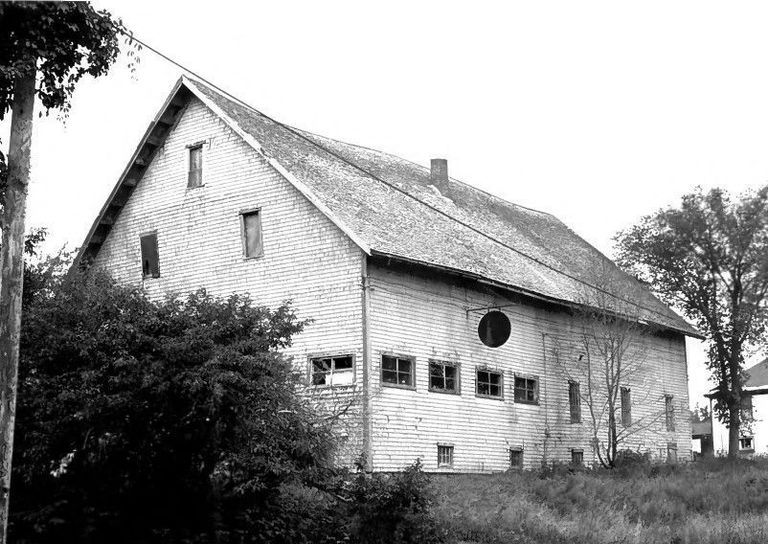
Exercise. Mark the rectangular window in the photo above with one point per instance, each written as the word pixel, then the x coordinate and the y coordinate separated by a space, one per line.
pixel 251 232
pixel 489 383
pixel 626 407
pixel 527 390
pixel 671 452
pixel 746 443
pixel 577 457
pixel 195 172
pixel 150 258
pixel 444 456
pixel 333 370
pixel 397 371
pixel 443 377
pixel 669 411
pixel 574 399
pixel 516 457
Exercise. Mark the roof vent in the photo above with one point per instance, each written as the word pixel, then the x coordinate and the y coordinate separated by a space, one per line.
pixel 438 174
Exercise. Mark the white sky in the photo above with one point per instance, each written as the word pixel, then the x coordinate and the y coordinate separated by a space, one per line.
pixel 598 112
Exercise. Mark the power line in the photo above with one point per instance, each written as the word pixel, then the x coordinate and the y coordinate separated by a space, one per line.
pixel 387 183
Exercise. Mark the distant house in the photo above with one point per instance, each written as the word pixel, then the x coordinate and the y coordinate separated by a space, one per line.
pixel 754 425
pixel 701 433
pixel 434 304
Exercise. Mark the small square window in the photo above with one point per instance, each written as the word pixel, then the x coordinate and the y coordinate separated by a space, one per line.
pixel 331 371
pixel 444 456
pixel 251 232
pixel 577 457
pixel 489 383
pixel 574 399
pixel 669 412
pixel 150 258
pixel 443 377
pixel 527 390
pixel 746 443
pixel 397 371
pixel 195 171
pixel 516 457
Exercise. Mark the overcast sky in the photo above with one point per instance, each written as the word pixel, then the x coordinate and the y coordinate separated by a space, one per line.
pixel 597 112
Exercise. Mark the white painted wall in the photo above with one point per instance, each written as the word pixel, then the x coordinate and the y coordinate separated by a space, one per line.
pixel 757 429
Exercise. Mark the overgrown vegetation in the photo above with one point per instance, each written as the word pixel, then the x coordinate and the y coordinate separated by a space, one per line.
pixel 714 501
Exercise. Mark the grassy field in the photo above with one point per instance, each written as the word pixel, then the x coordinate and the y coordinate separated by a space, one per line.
pixel 703 502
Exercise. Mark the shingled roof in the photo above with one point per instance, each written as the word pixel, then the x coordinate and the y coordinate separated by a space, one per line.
pixel 390 207
pixel 758 376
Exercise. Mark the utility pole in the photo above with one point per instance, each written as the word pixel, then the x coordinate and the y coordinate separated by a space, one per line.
pixel 12 276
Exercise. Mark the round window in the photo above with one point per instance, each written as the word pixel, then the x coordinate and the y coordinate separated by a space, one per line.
pixel 494 329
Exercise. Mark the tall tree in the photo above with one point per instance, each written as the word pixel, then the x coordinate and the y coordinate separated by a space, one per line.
pixel 45 49
pixel 709 258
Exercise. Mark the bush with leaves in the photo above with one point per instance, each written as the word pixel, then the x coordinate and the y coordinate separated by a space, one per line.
pixel 143 421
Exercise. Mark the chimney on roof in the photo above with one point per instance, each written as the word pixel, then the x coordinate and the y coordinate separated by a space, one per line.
pixel 438 174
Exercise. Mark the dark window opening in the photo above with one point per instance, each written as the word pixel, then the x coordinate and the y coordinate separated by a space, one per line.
pixel 526 390
pixel 489 383
pixel 333 370
pixel 195 176
pixel 669 412
pixel 396 371
pixel 672 452
pixel 252 246
pixel 444 456
pixel 745 443
pixel 516 457
pixel 577 458
pixel 443 376
pixel 150 259
pixel 626 407
pixel 574 399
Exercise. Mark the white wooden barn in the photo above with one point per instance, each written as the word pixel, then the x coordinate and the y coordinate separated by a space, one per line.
pixel 396 264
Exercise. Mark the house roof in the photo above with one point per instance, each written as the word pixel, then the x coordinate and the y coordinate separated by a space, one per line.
pixel 389 207
pixel 758 375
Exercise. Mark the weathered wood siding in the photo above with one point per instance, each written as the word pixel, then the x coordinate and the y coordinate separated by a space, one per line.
pixel 426 317
pixel 306 258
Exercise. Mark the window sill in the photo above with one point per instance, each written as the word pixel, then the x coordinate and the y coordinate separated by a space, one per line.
pixel 445 391
pixel 255 257
pixel 333 386
pixel 528 402
pixel 489 397
pixel 397 385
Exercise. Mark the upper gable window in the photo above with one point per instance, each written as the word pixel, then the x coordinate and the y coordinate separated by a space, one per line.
pixel 150 259
pixel 195 171
pixel 251 232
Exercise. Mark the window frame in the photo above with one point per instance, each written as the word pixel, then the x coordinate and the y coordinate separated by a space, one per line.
pixel 398 356
pixel 751 448
pixel 190 148
pixel 150 275
pixel 489 370
pixel 517 450
pixel 527 377
pixel 669 413
pixel 335 355
pixel 243 233
pixel 626 407
pixel 450 449
pixel 574 409
pixel 577 453
pixel 444 364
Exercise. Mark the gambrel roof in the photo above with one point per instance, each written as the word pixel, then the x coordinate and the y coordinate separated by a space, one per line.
pixel 389 207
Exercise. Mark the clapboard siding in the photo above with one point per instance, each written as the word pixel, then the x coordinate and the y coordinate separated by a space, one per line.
pixel 426 317
pixel 306 258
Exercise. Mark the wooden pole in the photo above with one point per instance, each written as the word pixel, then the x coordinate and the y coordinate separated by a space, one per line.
pixel 12 276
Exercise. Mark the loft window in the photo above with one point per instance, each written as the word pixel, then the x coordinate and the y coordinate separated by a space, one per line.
pixel 397 371
pixel 333 370
pixel 574 400
pixel 251 233
pixel 489 383
pixel 150 260
pixel 443 377
pixel 516 457
pixel 669 412
pixel 577 457
pixel 527 389
pixel 195 172
pixel 444 456
pixel 626 407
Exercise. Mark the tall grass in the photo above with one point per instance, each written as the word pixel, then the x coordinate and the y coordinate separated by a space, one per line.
pixel 716 501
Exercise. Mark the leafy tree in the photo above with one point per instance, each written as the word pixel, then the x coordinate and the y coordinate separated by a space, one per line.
pixel 166 421
pixel 709 258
